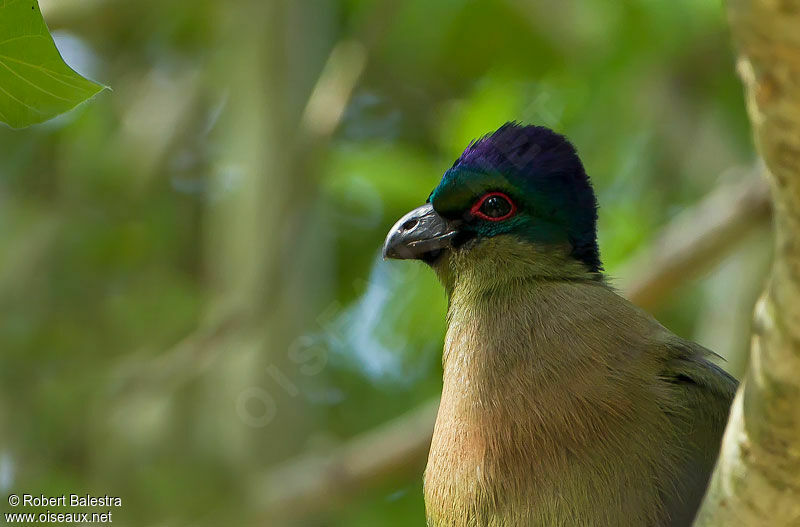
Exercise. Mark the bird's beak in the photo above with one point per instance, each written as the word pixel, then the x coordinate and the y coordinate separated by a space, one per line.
pixel 421 234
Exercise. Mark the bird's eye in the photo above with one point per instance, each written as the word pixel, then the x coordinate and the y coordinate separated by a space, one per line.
pixel 494 206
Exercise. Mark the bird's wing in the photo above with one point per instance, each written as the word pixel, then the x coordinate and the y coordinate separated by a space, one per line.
pixel 703 392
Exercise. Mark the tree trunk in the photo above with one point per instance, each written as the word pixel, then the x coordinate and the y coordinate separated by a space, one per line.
pixel 757 479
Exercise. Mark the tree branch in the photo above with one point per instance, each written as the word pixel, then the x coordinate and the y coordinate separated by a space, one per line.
pixel 315 482
pixel 758 473
pixel 695 241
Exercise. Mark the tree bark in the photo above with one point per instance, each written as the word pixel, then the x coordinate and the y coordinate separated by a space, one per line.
pixel 757 478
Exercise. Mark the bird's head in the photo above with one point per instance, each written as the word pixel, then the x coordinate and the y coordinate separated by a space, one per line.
pixel 517 203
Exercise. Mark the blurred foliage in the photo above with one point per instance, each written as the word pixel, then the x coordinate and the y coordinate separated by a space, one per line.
pixel 35 83
pixel 115 219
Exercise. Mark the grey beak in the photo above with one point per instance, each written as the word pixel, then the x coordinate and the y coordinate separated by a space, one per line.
pixel 420 234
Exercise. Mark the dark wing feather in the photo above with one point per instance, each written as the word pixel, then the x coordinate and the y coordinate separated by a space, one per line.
pixel 703 393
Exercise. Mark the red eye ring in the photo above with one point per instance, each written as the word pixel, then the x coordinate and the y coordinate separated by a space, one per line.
pixel 476 208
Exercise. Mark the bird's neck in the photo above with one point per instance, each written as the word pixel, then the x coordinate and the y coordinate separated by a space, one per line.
pixel 501 263
pixel 524 353
pixel 515 331
pixel 508 304
pixel 525 389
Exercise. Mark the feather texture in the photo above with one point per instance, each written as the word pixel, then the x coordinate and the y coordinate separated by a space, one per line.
pixel 563 404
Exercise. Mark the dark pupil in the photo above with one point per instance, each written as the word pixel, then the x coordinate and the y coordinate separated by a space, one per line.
pixel 496 207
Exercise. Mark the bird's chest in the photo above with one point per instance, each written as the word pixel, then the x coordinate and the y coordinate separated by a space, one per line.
pixel 522 474
pixel 475 474
pixel 510 450
pixel 465 483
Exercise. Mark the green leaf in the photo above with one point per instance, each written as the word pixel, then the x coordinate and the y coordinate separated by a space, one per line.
pixel 35 82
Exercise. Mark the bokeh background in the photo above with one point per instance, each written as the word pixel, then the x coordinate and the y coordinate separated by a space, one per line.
pixel 194 313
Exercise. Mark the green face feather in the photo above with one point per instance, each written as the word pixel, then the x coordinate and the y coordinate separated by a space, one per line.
pixel 462 189
pixel 541 174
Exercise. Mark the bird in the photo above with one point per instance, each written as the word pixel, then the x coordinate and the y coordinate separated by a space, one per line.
pixel 563 404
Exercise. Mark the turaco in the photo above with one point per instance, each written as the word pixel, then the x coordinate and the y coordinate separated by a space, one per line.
pixel 563 404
